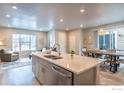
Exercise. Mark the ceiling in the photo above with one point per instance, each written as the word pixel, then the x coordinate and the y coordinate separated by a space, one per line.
pixel 43 17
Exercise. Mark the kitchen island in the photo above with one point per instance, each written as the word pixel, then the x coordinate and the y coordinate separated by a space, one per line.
pixel 51 69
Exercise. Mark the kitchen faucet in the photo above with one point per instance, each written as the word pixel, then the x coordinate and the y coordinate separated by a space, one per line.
pixel 56 47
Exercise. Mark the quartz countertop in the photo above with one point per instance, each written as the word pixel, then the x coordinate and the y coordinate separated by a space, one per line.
pixel 76 64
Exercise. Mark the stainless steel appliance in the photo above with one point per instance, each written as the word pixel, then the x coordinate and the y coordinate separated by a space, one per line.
pixel 61 76
pixel 51 74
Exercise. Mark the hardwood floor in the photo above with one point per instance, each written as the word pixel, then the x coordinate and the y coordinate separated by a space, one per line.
pixel 109 78
pixel 18 76
pixel 24 76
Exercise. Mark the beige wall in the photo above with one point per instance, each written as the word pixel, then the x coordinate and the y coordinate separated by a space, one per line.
pixel 58 36
pixel 120 38
pixel 61 38
pixel 91 39
pixel 51 37
pixel 68 40
pixel 6 37
pixel 75 40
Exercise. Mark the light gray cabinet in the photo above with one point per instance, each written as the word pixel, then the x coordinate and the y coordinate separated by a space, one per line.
pixel 35 65
pixel 50 74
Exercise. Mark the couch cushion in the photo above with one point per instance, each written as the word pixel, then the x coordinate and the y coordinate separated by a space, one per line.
pixel 2 51
pixel 14 54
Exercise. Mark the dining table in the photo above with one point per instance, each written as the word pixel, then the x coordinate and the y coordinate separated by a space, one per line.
pixel 113 57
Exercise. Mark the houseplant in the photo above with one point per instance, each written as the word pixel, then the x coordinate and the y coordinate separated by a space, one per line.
pixel 72 52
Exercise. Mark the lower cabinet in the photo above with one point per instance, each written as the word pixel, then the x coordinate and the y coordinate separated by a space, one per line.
pixel 35 66
pixel 50 74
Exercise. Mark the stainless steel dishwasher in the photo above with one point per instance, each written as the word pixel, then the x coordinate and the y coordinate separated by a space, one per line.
pixel 61 76
pixel 51 74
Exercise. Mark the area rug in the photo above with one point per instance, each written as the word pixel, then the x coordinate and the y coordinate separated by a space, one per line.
pixel 15 64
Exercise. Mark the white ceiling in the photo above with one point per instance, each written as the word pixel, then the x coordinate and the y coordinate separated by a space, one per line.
pixel 46 16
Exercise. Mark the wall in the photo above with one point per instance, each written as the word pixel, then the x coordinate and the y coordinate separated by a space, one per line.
pixel 120 38
pixel 91 39
pixel 61 38
pixel 58 36
pixel 6 37
pixel 75 40
pixel 51 37
pixel 68 40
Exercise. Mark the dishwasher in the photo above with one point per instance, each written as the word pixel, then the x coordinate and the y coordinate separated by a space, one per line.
pixel 61 76
pixel 55 75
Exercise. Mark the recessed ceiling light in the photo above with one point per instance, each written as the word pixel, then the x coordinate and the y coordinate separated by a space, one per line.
pixel 82 10
pixel 14 7
pixel 61 20
pixel 8 16
pixel 81 25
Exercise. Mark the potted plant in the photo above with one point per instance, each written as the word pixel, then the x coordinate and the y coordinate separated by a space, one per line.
pixel 72 52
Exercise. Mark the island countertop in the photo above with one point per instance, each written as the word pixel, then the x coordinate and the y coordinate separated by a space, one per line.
pixel 76 64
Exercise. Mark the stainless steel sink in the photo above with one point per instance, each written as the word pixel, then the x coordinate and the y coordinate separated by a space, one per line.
pixel 53 57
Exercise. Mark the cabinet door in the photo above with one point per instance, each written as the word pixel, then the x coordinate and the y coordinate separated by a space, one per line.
pixel 44 74
pixel 35 65
pixel 50 74
pixel 41 71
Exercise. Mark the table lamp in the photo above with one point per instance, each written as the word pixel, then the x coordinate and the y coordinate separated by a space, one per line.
pixel 1 43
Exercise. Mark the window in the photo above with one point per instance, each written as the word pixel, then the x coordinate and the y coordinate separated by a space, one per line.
pixel 107 40
pixel 23 42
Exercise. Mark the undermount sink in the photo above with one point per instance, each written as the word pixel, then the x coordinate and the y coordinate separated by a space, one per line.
pixel 53 57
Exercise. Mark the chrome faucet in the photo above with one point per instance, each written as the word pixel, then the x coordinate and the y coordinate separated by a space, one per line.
pixel 57 47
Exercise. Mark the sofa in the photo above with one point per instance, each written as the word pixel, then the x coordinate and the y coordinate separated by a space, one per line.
pixel 8 56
